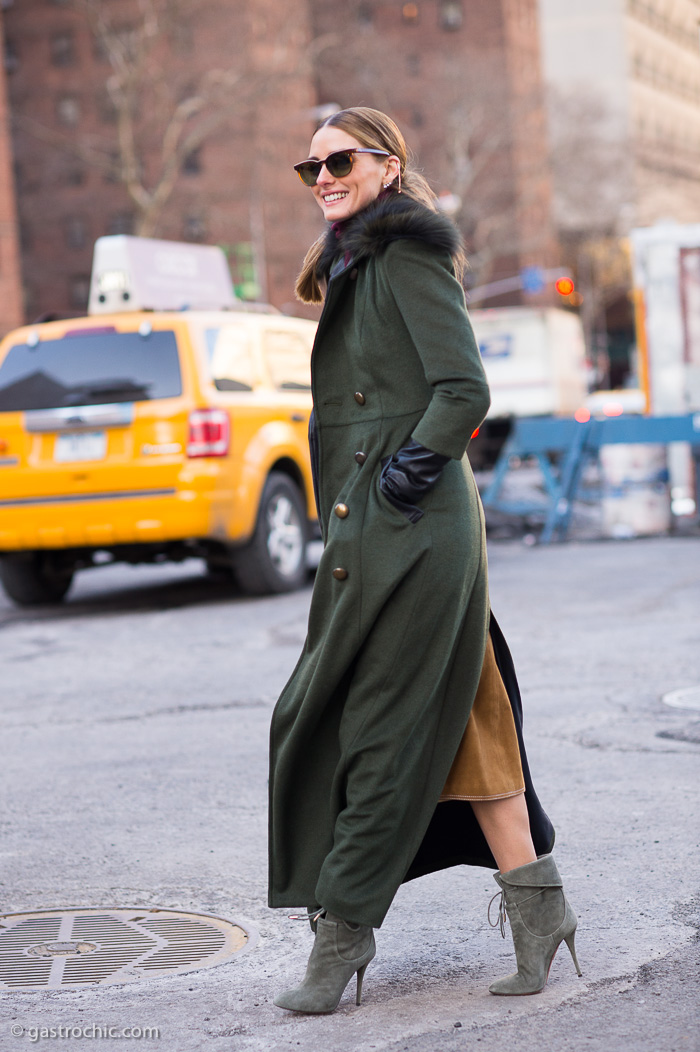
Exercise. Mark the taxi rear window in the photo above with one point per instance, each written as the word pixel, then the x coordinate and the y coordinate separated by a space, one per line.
pixel 90 369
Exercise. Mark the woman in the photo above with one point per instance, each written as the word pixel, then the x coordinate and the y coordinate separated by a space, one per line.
pixel 378 772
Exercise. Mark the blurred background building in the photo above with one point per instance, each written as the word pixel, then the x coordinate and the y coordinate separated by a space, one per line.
pixel 11 312
pixel 547 129
pixel 623 101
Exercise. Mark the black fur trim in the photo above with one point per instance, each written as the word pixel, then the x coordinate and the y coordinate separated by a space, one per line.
pixel 392 218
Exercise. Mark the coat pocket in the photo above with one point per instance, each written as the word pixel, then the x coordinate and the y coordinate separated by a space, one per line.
pixel 409 511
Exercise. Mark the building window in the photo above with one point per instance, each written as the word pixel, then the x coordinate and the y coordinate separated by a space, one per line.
pixel 75 175
pixel 105 107
pixel 25 238
pixel 113 168
pixel 451 14
pixel 11 56
pixel 76 232
pixel 62 49
pixel 194 228
pixel 19 176
pixel 192 164
pixel 409 13
pixel 79 291
pixel 365 14
pixel 121 223
pixel 68 110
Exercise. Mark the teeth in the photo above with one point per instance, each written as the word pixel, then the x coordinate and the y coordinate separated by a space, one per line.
pixel 330 198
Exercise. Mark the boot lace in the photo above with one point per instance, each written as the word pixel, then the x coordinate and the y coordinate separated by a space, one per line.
pixel 500 921
pixel 306 916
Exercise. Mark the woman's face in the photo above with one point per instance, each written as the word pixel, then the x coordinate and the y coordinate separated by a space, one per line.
pixel 343 197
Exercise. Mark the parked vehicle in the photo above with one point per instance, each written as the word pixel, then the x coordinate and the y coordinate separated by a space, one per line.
pixel 144 435
pixel 535 362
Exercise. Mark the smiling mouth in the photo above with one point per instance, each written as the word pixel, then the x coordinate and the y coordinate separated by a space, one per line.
pixel 329 199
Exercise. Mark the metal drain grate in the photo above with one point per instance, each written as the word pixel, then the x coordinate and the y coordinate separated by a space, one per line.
pixel 81 947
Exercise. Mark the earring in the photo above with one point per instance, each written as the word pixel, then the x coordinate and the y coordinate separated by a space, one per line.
pixel 387 185
pixel 399 190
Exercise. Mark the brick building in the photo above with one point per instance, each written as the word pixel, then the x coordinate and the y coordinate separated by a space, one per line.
pixel 462 79
pixel 236 189
pixel 10 281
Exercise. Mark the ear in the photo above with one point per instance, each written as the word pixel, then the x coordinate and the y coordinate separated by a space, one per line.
pixel 393 168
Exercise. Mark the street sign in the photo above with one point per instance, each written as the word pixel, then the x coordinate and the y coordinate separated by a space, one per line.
pixel 533 279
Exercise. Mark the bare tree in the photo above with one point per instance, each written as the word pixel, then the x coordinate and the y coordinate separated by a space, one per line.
pixel 466 122
pixel 594 195
pixel 590 163
pixel 163 103
pixel 484 124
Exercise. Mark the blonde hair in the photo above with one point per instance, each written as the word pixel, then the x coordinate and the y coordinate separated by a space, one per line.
pixel 374 129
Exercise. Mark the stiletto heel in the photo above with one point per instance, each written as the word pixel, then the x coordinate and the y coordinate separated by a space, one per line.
pixel 569 940
pixel 360 976
pixel 340 950
pixel 541 918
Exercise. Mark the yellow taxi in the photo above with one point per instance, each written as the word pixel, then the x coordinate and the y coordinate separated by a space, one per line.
pixel 144 435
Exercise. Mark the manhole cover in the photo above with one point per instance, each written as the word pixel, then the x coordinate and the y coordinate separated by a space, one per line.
pixel 79 947
pixel 686 698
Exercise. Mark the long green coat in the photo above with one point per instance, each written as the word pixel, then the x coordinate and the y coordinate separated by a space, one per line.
pixel 365 732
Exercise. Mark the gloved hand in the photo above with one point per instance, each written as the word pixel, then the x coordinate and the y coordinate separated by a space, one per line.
pixel 409 475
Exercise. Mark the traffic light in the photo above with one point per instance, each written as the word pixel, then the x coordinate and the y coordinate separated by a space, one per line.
pixel 564 286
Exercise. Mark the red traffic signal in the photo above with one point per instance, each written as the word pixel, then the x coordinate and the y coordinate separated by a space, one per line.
pixel 564 286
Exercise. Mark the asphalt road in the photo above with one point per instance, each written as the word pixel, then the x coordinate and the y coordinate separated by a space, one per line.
pixel 134 727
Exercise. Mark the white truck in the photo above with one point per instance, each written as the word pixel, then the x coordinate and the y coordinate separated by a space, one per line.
pixel 535 362
pixel 667 296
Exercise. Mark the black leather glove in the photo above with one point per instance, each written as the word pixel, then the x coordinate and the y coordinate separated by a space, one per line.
pixel 409 475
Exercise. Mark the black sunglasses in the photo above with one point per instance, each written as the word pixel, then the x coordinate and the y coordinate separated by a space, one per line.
pixel 338 164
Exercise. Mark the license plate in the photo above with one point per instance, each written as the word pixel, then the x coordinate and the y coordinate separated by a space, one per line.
pixel 83 445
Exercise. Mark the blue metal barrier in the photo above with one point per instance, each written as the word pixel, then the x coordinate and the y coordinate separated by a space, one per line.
pixel 574 444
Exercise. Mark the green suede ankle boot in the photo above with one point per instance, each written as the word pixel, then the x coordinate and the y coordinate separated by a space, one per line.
pixel 540 919
pixel 340 949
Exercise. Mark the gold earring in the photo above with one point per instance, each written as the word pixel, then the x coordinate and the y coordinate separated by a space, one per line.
pixel 399 181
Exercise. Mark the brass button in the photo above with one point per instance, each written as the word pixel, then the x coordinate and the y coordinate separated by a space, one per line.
pixel 342 511
pixel 353 274
pixel 359 398
pixel 339 573
pixel 360 457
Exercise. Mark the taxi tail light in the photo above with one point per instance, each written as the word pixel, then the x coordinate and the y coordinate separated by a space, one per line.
pixel 209 433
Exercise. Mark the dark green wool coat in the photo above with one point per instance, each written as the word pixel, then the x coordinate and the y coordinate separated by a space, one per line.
pixel 365 732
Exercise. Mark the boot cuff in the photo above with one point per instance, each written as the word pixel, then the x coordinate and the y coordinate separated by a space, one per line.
pixel 542 873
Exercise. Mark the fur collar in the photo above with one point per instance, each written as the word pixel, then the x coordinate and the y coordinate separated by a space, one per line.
pixel 388 219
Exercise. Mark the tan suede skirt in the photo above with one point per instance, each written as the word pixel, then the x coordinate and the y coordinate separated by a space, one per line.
pixel 487 765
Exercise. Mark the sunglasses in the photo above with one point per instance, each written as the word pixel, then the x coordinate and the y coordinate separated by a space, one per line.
pixel 338 164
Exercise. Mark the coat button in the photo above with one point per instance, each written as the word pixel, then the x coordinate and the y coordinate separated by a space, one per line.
pixel 342 511
pixel 339 573
pixel 360 457
pixel 353 274
pixel 360 398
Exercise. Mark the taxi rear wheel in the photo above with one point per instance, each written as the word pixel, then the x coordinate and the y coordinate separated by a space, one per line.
pixel 33 578
pixel 275 559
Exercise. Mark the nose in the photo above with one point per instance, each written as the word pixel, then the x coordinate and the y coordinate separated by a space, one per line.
pixel 324 177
